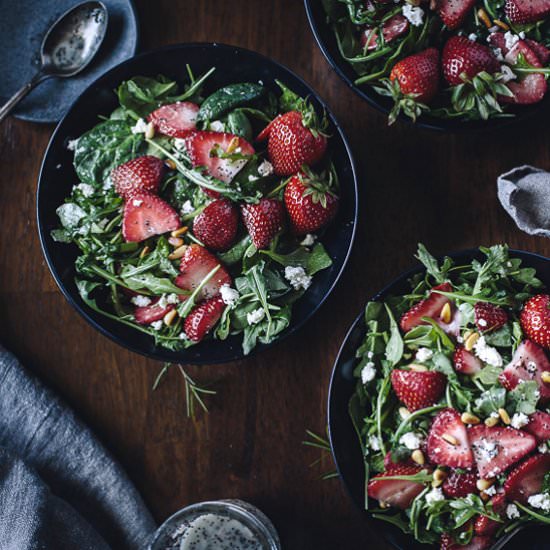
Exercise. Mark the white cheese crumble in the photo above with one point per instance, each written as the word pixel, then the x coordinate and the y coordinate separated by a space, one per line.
pixel 414 14
pixel 543 448
pixel 531 367
pixel 510 39
pixel 374 444
pixel 265 169
pixel 368 372
pixel 512 511
pixel 252 177
pixel 423 354
pixel 70 214
pixel 141 301
pixel 482 322
pixel 254 317
pixel 498 54
pixel 309 240
pixel 229 295
pixel 519 420
pixel 179 144
pixel 137 202
pixel 542 501
pixel 487 353
pixel 435 495
pixel 85 188
pixel 217 126
pixel 487 449
pixel 140 127
pixel 166 299
pixel 490 491
pixel 297 277
pixel 156 325
pixel 71 144
pixel 507 74
pixel 411 440
pixel 186 208
pixel 472 37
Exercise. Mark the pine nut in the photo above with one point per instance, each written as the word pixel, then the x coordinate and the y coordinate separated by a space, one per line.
pixel 545 376
pixel 233 144
pixel 504 416
pixel 383 504
pixel 482 14
pixel 150 131
pixel 169 317
pixel 178 253
pixel 491 421
pixel 418 368
pixel 418 457
pixel 404 413
pixel 470 341
pixel 170 163
pixel 450 439
pixel 144 252
pixel 176 242
pixel 501 24
pixel 469 418
pixel 446 313
pixel 436 483
pixel 180 231
pixel 439 475
pixel 484 484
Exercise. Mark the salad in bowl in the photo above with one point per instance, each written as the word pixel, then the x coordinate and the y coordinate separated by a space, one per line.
pixel 201 215
pixel 452 398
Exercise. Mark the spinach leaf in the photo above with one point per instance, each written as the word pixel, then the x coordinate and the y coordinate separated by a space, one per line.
pixel 312 261
pixel 228 98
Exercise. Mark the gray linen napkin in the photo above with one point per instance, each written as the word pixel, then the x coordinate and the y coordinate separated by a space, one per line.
pixel 59 488
pixel 524 192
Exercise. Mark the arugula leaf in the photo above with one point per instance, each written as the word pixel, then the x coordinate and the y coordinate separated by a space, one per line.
pixel 490 401
pixel 394 347
pixel 524 398
pixel 312 261
pixel 431 265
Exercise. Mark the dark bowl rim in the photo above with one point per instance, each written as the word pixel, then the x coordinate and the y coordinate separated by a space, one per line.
pixel 357 322
pixel 159 353
pixel 425 122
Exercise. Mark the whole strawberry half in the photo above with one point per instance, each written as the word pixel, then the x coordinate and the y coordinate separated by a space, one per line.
pixel 147 215
pixel 310 203
pixel 460 484
pixel 263 221
pixel 477 543
pixel 393 28
pixel 418 75
pixel 465 361
pixel 498 40
pixel 195 265
pixel 136 175
pixel 292 143
pixel 496 449
pixel 526 479
pixel 462 58
pixel 145 315
pixel 539 426
pixel 429 307
pixel 526 11
pixel 447 441
pixel 418 390
pixel 487 526
pixel 489 317
pixel 453 12
pixel 202 318
pixel 398 493
pixel 216 226
pixel 175 120
pixel 535 319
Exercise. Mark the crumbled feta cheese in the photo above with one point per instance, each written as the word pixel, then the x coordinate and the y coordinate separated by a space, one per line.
pixel 308 240
pixel 486 450
pixel 507 74
pixel 435 495
pixel 156 325
pixel 490 491
pixel 229 295
pixel 370 354
pixel 86 189
pixel 511 39
pixel 543 448
pixel 70 214
pixel 254 317
pixel 265 169
pixel 217 126
pixel 368 372
pixel 494 414
pixel 374 444
pixel 183 336
pixel 482 322
pixel 107 184
pixel 498 54
pixel 512 511
pixel 141 301
pixel 186 208
pixel 137 202
pixel 411 440
pixel 179 144
pixel 472 37
pixel 71 144
pixel 531 367
pixel 522 35
pixel 541 500
pixel 519 420
pixel 487 353
pixel 423 354
pixel 140 127
pixel 414 14
pixel 167 299
pixel 297 277
pixel 252 177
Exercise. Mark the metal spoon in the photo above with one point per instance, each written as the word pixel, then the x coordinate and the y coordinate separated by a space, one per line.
pixel 69 45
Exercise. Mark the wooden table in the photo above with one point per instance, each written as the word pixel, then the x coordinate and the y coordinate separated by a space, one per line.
pixel 415 186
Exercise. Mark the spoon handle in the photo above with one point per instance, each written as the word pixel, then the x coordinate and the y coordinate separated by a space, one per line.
pixel 18 96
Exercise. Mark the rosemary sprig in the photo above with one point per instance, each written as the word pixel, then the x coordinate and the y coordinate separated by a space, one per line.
pixel 321 443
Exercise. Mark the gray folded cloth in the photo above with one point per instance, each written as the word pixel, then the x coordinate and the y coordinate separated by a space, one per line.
pixel 524 192
pixel 59 488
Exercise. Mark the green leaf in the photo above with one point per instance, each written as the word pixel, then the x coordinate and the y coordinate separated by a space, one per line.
pixel 490 401
pixel 157 285
pixel 394 348
pixel 228 98
pixel 488 375
pixel 524 398
pixel 432 267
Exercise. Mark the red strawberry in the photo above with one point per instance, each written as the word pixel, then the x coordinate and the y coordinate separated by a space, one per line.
pixel 526 11
pixel 391 29
pixel 486 526
pixel 459 485
pixel 418 75
pixel 496 449
pixel 216 225
pixel 175 120
pixel 526 478
pixel 418 390
pixel 542 52
pixel 202 318
pixel 539 426
pixel 463 58
pixel 453 12
pixel 291 144
pixel 263 221
pixel 535 319
pixel 457 453
pixel 430 307
pixel 477 543
pixel 532 87
pixel 146 215
pixel 389 463
pixel 139 174
pixel 145 315
pixel 205 148
pixel 398 493
pixel 195 265
pixel 489 317
pixel 310 203
pixel 465 361
pixel 528 363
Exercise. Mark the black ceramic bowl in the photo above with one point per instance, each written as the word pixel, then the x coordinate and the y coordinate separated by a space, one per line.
pixel 343 438
pixel 57 177
pixel 326 40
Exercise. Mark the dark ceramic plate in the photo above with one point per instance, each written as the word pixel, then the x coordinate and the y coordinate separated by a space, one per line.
pixel 23 25
pixel 57 177
pixel 343 438
pixel 326 41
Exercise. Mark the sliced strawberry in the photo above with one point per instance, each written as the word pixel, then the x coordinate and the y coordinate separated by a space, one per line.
pixel 539 426
pixel 487 526
pixel 389 463
pixel 391 29
pixel 535 319
pixel 395 492
pixel 528 363
pixel 195 265
pixel 418 390
pixel 496 449
pixel 136 175
pixel 477 543
pixel 526 11
pixel 526 478
pixel 429 307
pixel 453 12
pixel 206 148
pixel 263 221
pixel 175 120
pixel 264 134
pixel 455 453
pixel 489 317
pixel 145 315
pixel 203 318
pixel 216 225
pixel 146 215
pixel 459 485
pixel 541 51
pixel 465 361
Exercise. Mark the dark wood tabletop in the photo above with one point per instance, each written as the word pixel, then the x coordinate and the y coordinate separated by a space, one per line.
pixel 415 185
